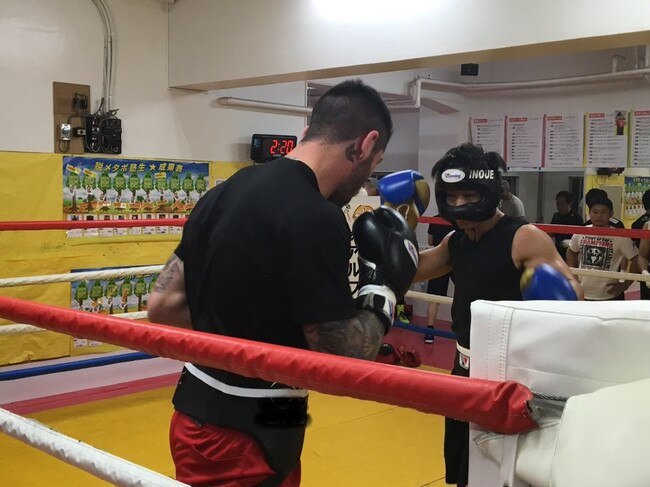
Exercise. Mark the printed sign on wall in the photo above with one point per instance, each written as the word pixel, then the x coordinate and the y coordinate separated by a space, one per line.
pixel 120 189
pixel 632 199
pixel 607 139
pixel 111 296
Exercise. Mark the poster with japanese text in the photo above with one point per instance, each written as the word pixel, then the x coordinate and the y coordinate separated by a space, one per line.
pixel 120 189
pixel 606 142
pixel 488 132
pixel 563 140
pixel 523 142
pixel 640 138
pixel 110 296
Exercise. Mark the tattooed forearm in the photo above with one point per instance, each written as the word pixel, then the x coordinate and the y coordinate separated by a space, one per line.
pixel 171 270
pixel 358 337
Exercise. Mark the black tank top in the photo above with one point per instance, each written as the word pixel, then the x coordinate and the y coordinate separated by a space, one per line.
pixel 483 270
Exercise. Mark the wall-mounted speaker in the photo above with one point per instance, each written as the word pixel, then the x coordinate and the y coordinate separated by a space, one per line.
pixel 469 69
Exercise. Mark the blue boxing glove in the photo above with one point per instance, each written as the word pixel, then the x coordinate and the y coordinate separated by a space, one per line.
pixel 407 192
pixel 545 282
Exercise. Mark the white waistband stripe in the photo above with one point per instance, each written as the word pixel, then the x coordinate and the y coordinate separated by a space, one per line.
pixel 463 350
pixel 243 391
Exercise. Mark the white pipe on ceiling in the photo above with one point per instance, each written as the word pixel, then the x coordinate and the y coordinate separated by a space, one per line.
pixel 264 105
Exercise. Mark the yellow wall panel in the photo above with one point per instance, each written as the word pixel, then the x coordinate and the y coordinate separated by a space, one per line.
pixel 23 347
pixel 32 191
pixel 223 170
pixel 29 184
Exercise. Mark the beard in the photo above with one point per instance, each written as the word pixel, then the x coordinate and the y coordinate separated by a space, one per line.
pixel 342 195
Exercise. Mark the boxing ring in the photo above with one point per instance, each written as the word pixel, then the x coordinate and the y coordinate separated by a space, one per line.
pixel 494 404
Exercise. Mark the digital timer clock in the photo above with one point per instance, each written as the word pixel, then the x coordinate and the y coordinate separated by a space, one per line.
pixel 266 147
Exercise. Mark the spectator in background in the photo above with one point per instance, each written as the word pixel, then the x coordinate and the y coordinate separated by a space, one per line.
pixel 595 194
pixel 644 245
pixel 438 285
pixel 564 216
pixel 510 204
pixel 603 253
pixel 640 222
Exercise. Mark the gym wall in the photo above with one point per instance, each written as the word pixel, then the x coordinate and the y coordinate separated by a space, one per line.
pixel 32 191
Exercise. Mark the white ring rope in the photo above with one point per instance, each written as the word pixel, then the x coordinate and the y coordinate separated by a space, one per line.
pixel 626 276
pixel 154 269
pixel 99 463
pixel 80 276
pixel 131 271
pixel 18 328
pixel 431 298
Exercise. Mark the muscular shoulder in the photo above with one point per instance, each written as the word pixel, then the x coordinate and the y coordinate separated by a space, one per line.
pixel 528 233
pixel 528 241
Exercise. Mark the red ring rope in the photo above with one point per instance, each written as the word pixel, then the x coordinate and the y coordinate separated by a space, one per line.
pixel 70 224
pixel 495 406
pixel 563 229
pixel 179 222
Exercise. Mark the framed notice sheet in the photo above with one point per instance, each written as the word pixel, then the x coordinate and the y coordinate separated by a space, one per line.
pixel 488 132
pixel 606 139
pixel 523 142
pixel 640 138
pixel 563 141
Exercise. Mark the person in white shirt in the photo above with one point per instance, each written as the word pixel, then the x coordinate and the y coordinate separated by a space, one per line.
pixel 604 253
pixel 510 204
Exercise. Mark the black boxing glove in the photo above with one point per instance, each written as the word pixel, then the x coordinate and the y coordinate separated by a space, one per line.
pixel 388 260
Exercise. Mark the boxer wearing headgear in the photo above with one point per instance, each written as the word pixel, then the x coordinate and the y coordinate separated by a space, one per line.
pixel 488 253
pixel 479 172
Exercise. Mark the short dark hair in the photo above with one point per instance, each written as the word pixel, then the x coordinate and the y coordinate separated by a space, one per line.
pixel 602 201
pixel 593 194
pixel 646 199
pixel 566 195
pixel 347 111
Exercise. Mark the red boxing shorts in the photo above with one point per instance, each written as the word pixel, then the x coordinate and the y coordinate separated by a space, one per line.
pixel 206 455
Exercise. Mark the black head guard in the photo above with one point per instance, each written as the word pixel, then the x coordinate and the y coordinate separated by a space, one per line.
pixel 468 167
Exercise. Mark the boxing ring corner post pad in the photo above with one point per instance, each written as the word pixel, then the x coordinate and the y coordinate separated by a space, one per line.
pixel 88 458
pixel 497 406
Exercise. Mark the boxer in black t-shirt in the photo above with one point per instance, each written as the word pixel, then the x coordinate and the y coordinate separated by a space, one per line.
pixel 264 256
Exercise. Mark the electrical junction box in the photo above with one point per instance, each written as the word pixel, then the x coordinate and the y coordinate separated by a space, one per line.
pixel 103 134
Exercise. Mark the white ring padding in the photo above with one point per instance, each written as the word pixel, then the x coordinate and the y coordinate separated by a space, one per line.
pixel 243 391
pixel 103 465
pixel 18 328
pixel 80 276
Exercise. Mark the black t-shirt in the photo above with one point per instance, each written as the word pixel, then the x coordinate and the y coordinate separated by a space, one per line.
pixel 613 222
pixel 438 231
pixel 638 225
pixel 570 218
pixel 264 253
pixel 483 270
